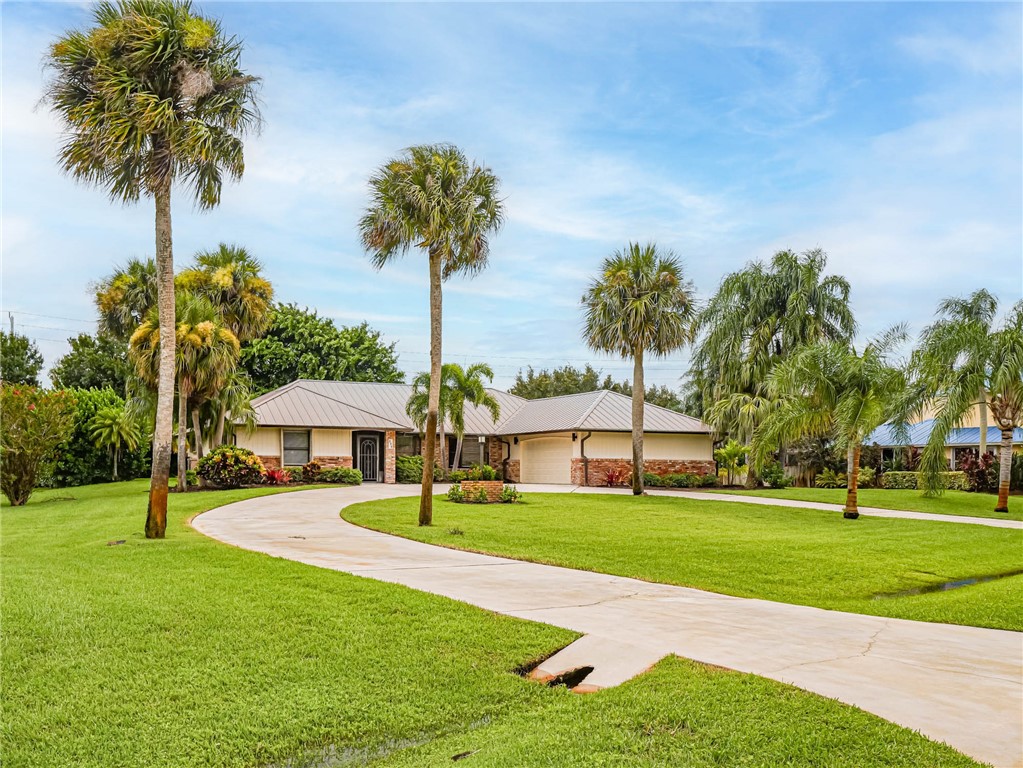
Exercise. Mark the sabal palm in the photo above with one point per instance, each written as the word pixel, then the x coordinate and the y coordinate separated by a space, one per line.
pixel 205 354
pixel 641 302
pixel 114 429
pixel 965 360
pixel 124 298
pixel 153 94
pixel 827 390
pixel 431 197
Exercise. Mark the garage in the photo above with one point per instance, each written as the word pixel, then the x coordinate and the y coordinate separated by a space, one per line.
pixel 547 460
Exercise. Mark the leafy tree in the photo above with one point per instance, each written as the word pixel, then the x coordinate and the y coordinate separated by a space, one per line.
pixel 94 362
pixel 125 298
pixel 299 344
pixel 828 390
pixel 659 395
pixel 964 359
pixel 641 302
pixel 34 424
pixel 569 380
pixel 151 94
pixel 115 430
pixel 431 197
pixel 20 360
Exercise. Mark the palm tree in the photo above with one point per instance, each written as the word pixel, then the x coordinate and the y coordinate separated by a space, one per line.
pixel 151 94
pixel 206 353
pixel 432 197
pixel 418 409
pixel 125 298
pixel 965 361
pixel 114 429
pixel 641 302
pixel 827 390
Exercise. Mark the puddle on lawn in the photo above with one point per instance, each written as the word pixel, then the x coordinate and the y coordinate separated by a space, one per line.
pixel 947 585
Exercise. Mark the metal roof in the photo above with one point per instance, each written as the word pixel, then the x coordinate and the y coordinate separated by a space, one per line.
pixel 369 405
pixel 919 433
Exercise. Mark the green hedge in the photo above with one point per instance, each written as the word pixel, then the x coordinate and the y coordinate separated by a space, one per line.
pixel 409 469
pixel 343 475
pixel 910 481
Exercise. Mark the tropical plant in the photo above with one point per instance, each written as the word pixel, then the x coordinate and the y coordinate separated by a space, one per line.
pixel 615 476
pixel 125 298
pixel 34 424
pixel 277 477
pixel 829 390
pixel 229 466
pixel 730 457
pixel 456 494
pixel 343 475
pixel 114 429
pixel 311 471
pixel 149 95
pixel 966 359
pixel 432 197
pixel 773 475
pixel 831 479
pixel 641 303
pixel 94 362
pixel 981 475
pixel 20 360
pixel 467 386
pixel 481 472
pixel 867 478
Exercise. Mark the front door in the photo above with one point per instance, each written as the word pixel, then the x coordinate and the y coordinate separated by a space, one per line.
pixel 369 457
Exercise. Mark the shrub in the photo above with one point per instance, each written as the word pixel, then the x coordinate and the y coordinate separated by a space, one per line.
pixel 342 475
pixel 708 481
pixel 191 477
pixel 296 474
pixel 481 472
pixel 678 480
pixel 457 475
pixel 510 495
pixel 866 477
pixel 831 479
pixel 481 496
pixel 774 476
pixel 652 480
pixel 229 466
pixel 981 473
pixel 32 427
pixel 277 477
pixel 899 481
pixel 615 476
pixel 456 494
pixel 311 472
pixel 409 469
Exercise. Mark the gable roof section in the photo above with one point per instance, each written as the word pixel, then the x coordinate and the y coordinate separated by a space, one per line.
pixel 920 433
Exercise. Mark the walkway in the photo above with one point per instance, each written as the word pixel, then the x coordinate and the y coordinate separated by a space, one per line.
pixel 960 685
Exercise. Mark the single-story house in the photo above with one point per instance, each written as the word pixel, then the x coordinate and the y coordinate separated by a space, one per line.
pixel 573 439
pixel 964 438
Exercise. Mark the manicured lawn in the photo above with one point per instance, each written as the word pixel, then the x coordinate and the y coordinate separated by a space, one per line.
pixel 188 652
pixel 790 555
pixel 949 503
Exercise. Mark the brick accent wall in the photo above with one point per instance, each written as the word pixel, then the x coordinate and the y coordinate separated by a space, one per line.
pixel 271 462
pixel 599 468
pixel 390 452
pixel 493 489
pixel 513 471
pixel 495 448
pixel 332 462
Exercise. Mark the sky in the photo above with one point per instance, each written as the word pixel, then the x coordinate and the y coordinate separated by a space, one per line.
pixel 889 135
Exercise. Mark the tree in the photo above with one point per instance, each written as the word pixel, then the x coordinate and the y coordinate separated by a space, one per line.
pixel 299 344
pixel 115 430
pixel 94 362
pixel 432 197
pixel 125 298
pixel 569 380
pixel 20 360
pixel 730 456
pixel 828 390
pixel 965 360
pixel 149 95
pixel 34 423
pixel 641 302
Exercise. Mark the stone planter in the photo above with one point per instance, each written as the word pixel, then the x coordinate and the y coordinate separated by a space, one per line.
pixel 493 488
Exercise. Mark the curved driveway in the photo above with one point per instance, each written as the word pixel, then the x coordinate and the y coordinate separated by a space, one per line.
pixel 960 685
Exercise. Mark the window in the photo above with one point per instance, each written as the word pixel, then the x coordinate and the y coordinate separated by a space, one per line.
pixel 407 444
pixel 296 448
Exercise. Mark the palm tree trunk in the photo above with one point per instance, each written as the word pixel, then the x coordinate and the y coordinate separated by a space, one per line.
pixel 433 403
pixel 115 464
pixel 218 438
pixel 198 433
pixel 1004 470
pixel 852 511
pixel 982 423
pixel 156 515
pixel 182 439
pixel 442 445
pixel 458 453
pixel 637 421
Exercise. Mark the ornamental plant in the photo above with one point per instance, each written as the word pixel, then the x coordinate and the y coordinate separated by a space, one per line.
pixel 33 424
pixel 229 466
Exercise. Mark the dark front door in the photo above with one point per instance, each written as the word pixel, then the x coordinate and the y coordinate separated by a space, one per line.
pixel 369 456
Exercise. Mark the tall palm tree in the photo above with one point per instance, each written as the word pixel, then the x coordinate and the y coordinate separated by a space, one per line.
pixel 965 361
pixel 151 94
pixel 206 353
pixel 114 429
pixel 124 298
pixel 431 197
pixel 828 390
pixel 641 302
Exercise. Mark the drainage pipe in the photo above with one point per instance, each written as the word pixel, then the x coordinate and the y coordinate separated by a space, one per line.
pixel 586 461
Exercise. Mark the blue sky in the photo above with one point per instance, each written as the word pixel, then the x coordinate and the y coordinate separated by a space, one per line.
pixel 891 136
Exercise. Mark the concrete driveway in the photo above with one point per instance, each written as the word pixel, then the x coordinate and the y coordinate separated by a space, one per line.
pixel 959 685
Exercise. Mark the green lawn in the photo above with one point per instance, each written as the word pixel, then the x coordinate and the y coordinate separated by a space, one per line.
pixel 188 652
pixel 949 503
pixel 790 555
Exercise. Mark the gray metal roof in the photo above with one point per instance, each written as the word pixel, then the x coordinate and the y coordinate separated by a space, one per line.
pixel 919 433
pixel 368 405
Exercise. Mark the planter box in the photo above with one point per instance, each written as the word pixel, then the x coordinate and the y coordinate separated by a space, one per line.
pixel 493 488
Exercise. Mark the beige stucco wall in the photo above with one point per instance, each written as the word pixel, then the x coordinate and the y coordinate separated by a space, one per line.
pixel 516 450
pixel 618 445
pixel 331 442
pixel 264 441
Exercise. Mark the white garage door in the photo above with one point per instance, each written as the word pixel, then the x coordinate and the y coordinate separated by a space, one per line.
pixel 547 460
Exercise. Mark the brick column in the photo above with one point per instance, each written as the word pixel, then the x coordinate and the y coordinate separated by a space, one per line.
pixel 496 450
pixel 390 452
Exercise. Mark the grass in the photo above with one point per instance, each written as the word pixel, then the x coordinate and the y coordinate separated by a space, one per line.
pixel 188 652
pixel 949 503
pixel 798 556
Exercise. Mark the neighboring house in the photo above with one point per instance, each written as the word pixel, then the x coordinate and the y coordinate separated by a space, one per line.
pixel 574 439
pixel 964 438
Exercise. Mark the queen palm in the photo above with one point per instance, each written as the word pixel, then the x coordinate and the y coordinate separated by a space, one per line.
pixel 151 94
pixel 640 303
pixel 431 197
pixel 966 362
pixel 206 353
pixel 114 429
pixel 828 390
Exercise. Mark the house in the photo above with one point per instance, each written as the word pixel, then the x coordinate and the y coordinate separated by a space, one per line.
pixel 573 439
pixel 962 439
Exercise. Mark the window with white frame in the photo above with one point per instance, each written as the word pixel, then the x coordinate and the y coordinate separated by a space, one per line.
pixel 296 447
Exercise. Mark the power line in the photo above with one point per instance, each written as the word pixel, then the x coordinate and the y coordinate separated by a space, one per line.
pixel 49 317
